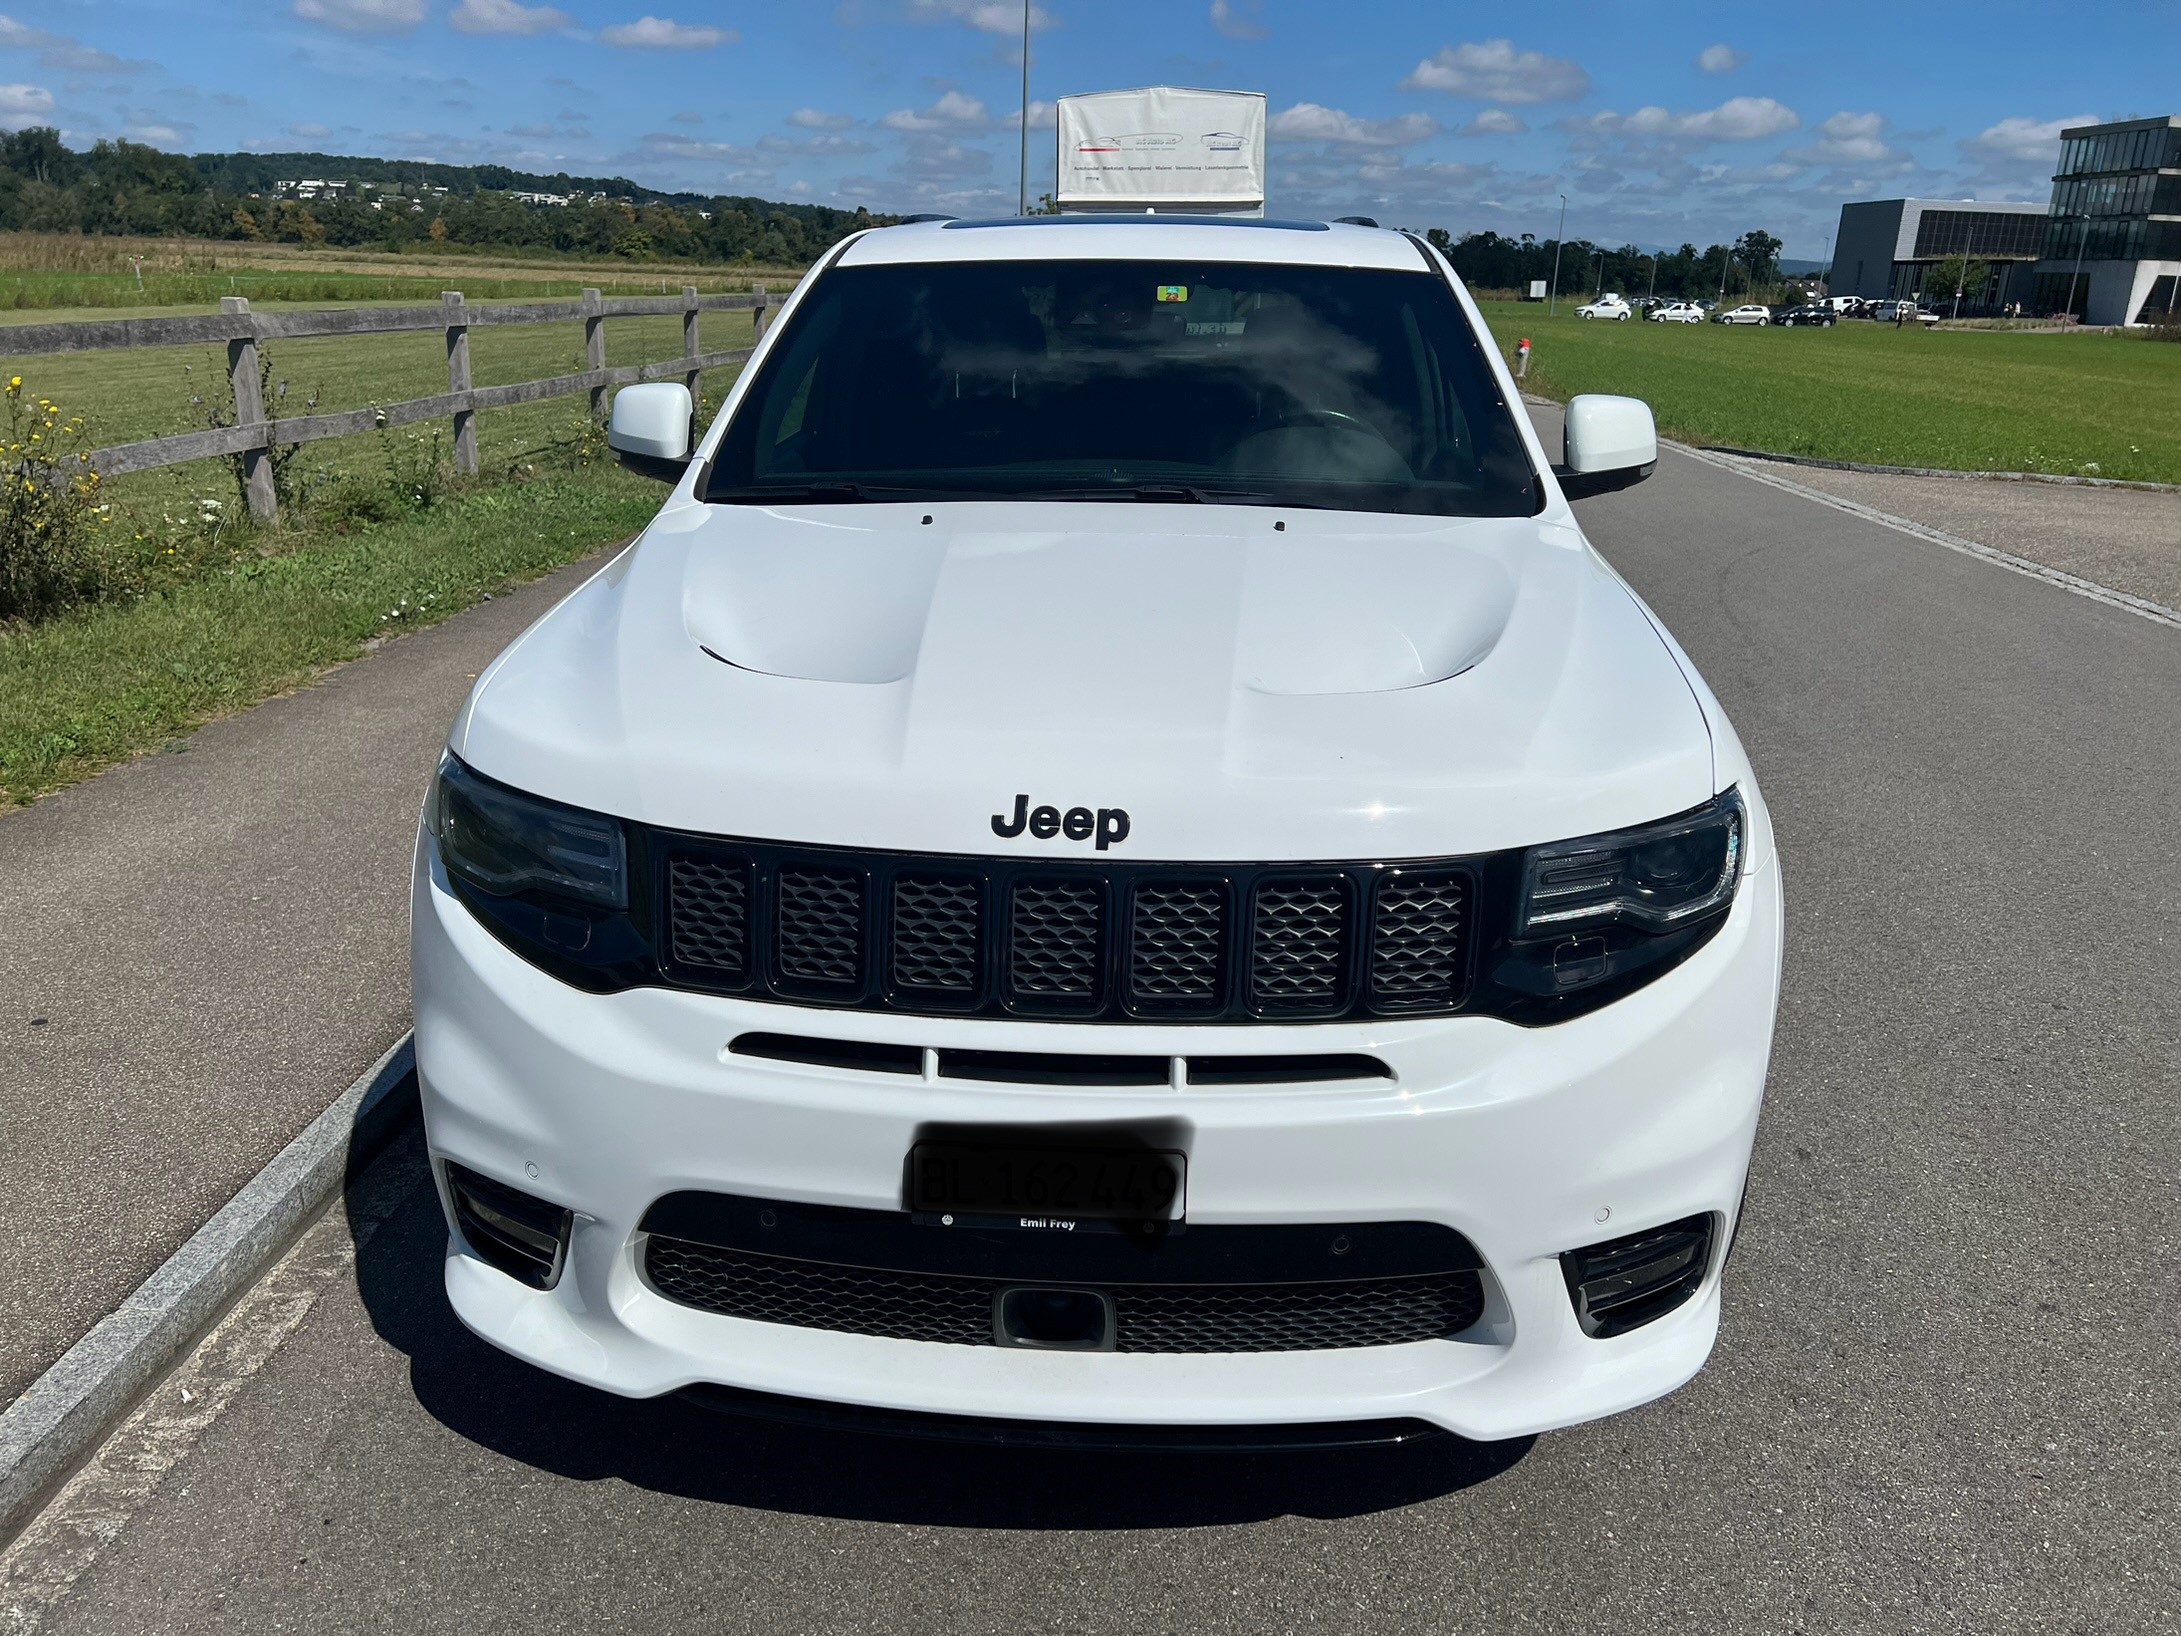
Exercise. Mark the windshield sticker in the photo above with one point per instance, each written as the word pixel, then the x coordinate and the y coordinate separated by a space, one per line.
pixel 1173 292
pixel 1233 326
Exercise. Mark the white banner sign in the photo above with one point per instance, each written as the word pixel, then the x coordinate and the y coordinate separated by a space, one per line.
pixel 1162 147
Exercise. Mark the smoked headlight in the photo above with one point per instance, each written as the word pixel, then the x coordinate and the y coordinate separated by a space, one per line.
pixel 502 841
pixel 1595 918
pixel 549 880
pixel 1655 878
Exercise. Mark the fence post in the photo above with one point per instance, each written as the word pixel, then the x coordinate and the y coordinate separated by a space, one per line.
pixel 458 380
pixel 761 316
pixel 242 376
pixel 594 347
pixel 695 377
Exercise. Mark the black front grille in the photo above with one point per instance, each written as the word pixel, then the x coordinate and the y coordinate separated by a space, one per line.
pixel 917 1306
pixel 1096 942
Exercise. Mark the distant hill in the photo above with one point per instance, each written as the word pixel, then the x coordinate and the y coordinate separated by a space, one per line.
pixel 125 187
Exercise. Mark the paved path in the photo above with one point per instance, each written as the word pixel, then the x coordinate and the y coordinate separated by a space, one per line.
pixel 1945 1398
pixel 198 952
pixel 2128 539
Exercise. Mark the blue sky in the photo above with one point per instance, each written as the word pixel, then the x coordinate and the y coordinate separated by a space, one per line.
pixel 1658 126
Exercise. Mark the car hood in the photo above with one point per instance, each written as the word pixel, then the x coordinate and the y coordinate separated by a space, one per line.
pixel 1245 683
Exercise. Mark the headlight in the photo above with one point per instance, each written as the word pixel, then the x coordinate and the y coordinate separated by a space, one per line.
pixel 1656 878
pixel 504 842
pixel 550 881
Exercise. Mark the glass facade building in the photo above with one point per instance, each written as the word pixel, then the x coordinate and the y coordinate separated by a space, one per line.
pixel 2113 231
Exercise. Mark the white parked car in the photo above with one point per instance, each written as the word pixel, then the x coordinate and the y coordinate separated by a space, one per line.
pixel 1749 313
pixel 1113 812
pixel 1606 306
pixel 1679 312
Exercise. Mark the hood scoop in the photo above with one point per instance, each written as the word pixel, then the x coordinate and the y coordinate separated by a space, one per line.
pixel 814 601
pixel 1369 615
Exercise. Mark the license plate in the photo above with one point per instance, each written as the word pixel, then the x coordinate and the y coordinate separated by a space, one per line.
pixel 1071 1184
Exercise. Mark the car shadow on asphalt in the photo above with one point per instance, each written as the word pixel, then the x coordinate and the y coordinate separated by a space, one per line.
pixel 676 1447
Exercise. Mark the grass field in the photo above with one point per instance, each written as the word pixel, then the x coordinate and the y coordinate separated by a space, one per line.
pixel 40 272
pixel 2088 405
pixel 235 614
pixel 79 693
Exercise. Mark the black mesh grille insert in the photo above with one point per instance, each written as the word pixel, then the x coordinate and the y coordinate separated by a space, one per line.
pixel 1296 957
pixel 1175 940
pixel 1299 1317
pixel 1053 954
pixel 821 926
pixel 1084 938
pixel 1417 955
pixel 710 912
pixel 937 934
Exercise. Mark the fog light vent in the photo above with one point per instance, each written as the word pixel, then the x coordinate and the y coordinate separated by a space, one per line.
pixel 524 1237
pixel 1626 1283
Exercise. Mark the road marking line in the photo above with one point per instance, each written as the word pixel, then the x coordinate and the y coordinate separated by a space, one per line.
pixel 2142 607
pixel 61 1543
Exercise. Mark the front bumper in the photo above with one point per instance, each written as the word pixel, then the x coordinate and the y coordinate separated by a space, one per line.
pixel 1529 1142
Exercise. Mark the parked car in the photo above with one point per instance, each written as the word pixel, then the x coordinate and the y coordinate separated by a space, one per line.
pixel 1814 317
pixel 1748 313
pixel 1677 312
pixel 1889 312
pixel 972 882
pixel 1844 305
pixel 1606 306
pixel 1645 305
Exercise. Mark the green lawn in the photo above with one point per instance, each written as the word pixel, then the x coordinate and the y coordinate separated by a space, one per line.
pixel 81 692
pixel 2087 405
pixel 236 614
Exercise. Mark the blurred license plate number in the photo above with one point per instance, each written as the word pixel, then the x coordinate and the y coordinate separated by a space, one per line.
pixel 1042 1182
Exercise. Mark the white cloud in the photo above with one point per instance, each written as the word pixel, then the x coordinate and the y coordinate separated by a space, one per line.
pixel 953 111
pixel 1721 59
pixel 2025 141
pixel 1738 119
pixel 533 133
pixel 661 33
pixel 1003 17
pixel 1237 23
pixel 363 16
pixel 310 133
pixel 157 135
pixel 1310 122
pixel 1850 139
pixel 1494 122
pixel 506 17
pixel 59 51
pixel 25 99
pixel 812 119
pixel 1043 117
pixel 686 117
pixel 1495 71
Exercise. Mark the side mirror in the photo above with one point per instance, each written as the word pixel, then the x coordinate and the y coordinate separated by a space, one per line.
pixel 1610 443
pixel 650 429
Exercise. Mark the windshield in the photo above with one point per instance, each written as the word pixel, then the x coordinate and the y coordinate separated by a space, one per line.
pixel 1359 389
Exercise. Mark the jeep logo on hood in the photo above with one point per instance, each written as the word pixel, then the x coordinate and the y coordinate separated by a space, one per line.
pixel 1109 824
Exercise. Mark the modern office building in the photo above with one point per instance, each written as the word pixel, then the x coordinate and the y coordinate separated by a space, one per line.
pixel 1886 250
pixel 2113 232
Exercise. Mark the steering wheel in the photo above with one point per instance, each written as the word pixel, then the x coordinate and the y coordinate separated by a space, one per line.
pixel 1338 419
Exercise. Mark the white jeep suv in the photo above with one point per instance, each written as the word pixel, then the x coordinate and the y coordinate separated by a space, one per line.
pixel 1111 868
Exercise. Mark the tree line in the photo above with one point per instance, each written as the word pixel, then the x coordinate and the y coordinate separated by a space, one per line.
pixel 1492 261
pixel 126 187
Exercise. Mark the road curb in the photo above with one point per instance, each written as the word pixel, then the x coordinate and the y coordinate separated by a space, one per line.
pixel 66 1410
pixel 1940 471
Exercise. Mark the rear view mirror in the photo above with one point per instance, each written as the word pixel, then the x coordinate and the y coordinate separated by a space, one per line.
pixel 650 429
pixel 1610 443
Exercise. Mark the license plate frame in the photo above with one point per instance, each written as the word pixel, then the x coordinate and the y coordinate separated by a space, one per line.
pixel 1042 1184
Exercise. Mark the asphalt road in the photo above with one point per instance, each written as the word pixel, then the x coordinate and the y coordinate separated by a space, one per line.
pixel 1946 1397
pixel 198 952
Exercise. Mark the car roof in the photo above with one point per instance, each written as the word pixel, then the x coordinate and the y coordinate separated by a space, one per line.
pixel 1138 238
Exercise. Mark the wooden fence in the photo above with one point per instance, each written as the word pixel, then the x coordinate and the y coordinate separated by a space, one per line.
pixel 253 435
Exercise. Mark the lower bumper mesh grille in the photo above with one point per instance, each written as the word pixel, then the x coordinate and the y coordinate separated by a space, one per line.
pixel 909 1306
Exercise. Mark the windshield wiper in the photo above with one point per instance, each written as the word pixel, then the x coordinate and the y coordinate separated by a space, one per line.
pixel 1157 493
pixel 788 494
